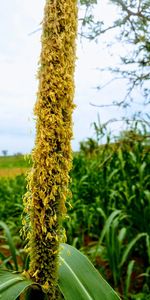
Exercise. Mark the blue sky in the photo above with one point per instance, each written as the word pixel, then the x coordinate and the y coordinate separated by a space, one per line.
pixel 19 52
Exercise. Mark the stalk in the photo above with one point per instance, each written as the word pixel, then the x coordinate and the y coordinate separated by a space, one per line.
pixel 52 154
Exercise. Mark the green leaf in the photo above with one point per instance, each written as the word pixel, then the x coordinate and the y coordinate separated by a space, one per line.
pixel 122 234
pixel 130 246
pixel 78 279
pixel 148 246
pixel 128 278
pixel 106 228
pixel 12 284
pixel 108 224
pixel 10 243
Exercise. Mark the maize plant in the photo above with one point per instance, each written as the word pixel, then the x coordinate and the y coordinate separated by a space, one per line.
pixel 52 155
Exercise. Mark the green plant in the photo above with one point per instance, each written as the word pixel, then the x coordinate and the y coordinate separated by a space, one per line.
pixel 116 176
pixel 12 257
pixel 118 250
pixel 11 193
pixel 78 279
pixel 15 161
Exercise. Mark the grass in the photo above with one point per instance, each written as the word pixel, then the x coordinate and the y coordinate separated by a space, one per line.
pixel 14 161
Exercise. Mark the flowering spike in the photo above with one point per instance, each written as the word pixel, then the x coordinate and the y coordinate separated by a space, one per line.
pixel 52 155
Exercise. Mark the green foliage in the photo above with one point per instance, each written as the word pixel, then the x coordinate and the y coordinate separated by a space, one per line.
pixel 12 284
pixel 10 243
pixel 115 177
pixel 11 257
pixel 78 279
pixel 110 204
pixel 128 278
pixel 117 250
pixel 14 161
pixel 109 214
pixel 11 192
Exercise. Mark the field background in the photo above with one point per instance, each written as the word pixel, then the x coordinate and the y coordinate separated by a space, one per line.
pixel 11 166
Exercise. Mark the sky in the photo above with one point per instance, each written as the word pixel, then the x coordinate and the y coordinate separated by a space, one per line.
pixel 19 54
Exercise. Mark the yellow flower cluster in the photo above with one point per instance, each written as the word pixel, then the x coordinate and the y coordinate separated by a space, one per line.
pixel 52 155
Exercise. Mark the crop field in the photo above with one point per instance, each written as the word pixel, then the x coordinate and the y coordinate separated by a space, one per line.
pixel 108 214
pixel 12 172
pixel 11 166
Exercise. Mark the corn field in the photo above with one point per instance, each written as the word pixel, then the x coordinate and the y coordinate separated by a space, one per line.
pixel 108 213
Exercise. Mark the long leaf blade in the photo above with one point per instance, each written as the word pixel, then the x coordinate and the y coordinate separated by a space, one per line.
pixel 128 277
pixel 10 243
pixel 12 285
pixel 130 246
pixel 78 279
pixel 108 223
